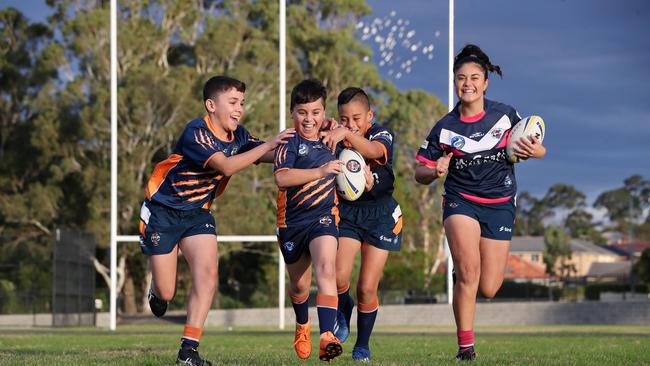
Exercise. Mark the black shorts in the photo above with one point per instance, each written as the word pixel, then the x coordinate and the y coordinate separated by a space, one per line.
pixel 496 220
pixel 161 227
pixel 294 240
pixel 377 223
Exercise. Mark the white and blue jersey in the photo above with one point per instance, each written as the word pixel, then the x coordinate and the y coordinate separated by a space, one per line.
pixel 479 170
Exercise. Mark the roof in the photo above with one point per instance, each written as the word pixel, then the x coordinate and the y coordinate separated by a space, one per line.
pixel 609 269
pixel 535 244
pixel 517 268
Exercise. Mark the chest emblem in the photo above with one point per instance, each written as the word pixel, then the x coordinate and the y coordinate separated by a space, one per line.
pixel 458 142
pixel 303 149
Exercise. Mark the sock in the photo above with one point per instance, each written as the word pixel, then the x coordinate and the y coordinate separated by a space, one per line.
pixel 344 298
pixel 326 306
pixel 191 337
pixel 300 307
pixel 465 339
pixel 366 315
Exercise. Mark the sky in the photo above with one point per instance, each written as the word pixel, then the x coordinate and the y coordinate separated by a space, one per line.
pixel 582 65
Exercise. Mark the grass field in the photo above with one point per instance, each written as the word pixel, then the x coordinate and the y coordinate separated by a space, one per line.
pixel 531 345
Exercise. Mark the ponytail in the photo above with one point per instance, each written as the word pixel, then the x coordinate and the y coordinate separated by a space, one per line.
pixel 472 53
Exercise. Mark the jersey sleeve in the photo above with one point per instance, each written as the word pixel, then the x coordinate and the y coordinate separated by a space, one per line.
pixel 430 150
pixel 385 138
pixel 199 145
pixel 249 141
pixel 514 117
pixel 285 156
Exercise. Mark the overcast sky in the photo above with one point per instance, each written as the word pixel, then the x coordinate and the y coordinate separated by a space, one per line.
pixel 580 64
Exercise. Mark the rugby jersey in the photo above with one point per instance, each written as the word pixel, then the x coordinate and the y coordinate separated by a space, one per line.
pixel 185 181
pixel 301 205
pixel 381 168
pixel 478 170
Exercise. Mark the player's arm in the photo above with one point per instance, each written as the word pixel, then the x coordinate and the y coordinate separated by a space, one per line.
pixel 291 177
pixel 526 148
pixel 368 149
pixel 427 173
pixel 233 164
pixel 268 157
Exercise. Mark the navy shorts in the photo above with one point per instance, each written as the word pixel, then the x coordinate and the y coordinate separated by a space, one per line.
pixel 496 220
pixel 161 227
pixel 376 223
pixel 294 240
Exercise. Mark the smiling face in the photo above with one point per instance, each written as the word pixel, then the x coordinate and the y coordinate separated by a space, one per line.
pixel 470 83
pixel 226 109
pixel 356 117
pixel 308 118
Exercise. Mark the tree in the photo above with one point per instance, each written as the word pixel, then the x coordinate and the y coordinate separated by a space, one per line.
pixel 642 267
pixel 626 205
pixel 557 247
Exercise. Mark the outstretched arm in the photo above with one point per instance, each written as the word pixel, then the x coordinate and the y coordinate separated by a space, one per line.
pixel 286 178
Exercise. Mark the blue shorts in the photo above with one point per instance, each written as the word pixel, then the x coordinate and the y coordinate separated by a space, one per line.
pixel 161 227
pixel 376 223
pixel 294 240
pixel 496 220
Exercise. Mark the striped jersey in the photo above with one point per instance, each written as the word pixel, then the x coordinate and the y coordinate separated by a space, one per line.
pixel 479 170
pixel 301 205
pixel 185 181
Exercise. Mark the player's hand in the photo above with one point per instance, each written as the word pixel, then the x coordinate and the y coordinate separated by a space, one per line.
pixel 332 167
pixel 529 148
pixel 370 179
pixel 329 124
pixel 332 137
pixel 282 137
pixel 443 164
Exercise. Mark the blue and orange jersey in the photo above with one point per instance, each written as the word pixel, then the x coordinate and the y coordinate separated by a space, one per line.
pixel 185 181
pixel 301 205
pixel 479 170
pixel 381 168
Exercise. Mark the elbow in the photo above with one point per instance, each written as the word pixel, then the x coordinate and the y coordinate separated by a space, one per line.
pixel 280 182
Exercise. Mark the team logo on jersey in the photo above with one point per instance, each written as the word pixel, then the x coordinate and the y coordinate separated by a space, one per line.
pixel 155 239
pixel 424 145
pixel 234 150
pixel 289 245
pixel 382 134
pixel 325 220
pixel 507 182
pixel 353 166
pixel 497 133
pixel 303 149
pixel 458 142
pixel 453 204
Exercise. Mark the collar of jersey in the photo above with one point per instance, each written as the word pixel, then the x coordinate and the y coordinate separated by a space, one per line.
pixel 208 122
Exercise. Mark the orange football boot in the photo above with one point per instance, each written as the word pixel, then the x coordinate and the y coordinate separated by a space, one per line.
pixel 302 340
pixel 330 347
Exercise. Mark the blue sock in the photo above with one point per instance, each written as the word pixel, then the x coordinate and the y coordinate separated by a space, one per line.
pixel 185 343
pixel 301 308
pixel 366 315
pixel 326 307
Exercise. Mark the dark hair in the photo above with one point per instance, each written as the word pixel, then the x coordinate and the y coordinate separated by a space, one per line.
pixel 354 94
pixel 220 84
pixel 308 91
pixel 473 53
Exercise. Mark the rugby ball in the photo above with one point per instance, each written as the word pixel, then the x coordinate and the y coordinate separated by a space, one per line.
pixel 529 126
pixel 351 181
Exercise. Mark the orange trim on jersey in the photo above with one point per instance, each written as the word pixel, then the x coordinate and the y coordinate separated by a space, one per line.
pixel 398 227
pixel 142 228
pixel 335 210
pixel 297 299
pixel 207 161
pixel 198 190
pixel 208 122
pixel 280 170
pixel 284 153
pixel 222 186
pixel 308 185
pixel 193 182
pixel 160 173
pixel 321 197
pixel 197 198
pixel 192 333
pixel 315 192
pixel 196 173
pixel 369 308
pixel 282 208
pixel 207 205
pixel 384 159
pixel 327 301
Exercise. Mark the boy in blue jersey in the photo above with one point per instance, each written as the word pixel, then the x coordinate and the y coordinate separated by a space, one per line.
pixel 372 223
pixel 175 214
pixel 305 171
pixel 468 147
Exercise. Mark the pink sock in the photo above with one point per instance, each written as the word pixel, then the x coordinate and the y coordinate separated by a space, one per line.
pixel 465 338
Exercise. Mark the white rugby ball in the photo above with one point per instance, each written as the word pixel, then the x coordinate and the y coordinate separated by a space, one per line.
pixel 351 181
pixel 529 126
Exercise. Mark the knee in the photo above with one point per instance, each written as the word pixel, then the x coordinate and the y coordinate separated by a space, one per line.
pixel 300 288
pixel 467 275
pixel 166 294
pixel 326 271
pixel 489 291
pixel 366 292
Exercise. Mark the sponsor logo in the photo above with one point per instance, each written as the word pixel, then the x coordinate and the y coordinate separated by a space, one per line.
pixel 506 229
pixel 209 226
pixel 383 238
pixel 453 204
pixel 289 246
pixel 507 182
pixel 303 149
pixel 155 239
pixel 382 134
pixel 497 133
pixel 325 220
pixel 424 145
pixel 376 178
pixel 458 142
pixel 476 135
pixel 353 166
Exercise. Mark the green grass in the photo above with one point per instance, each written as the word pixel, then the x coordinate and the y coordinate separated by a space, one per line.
pixel 530 345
